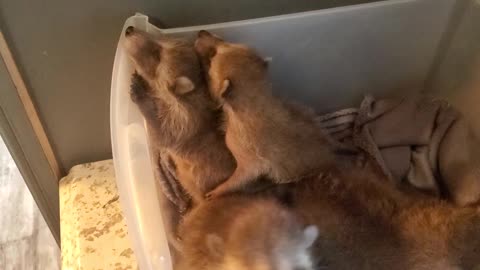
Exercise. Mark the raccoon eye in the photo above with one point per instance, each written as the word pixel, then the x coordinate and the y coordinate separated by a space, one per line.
pixel 226 89
pixel 155 53
pixel 207 59
pixel 152 51
pixel 211 53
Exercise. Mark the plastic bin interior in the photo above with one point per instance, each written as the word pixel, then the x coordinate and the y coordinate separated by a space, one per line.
pixel 327 59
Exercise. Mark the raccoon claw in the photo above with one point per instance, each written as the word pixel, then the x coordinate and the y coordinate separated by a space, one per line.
pixel 213 194
pixel 218 192
pixel 209 196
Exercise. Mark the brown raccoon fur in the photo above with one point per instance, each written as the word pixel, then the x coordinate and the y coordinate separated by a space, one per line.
pixel 366 223
pixel 171 93
pixel 245 232
pixel 266 136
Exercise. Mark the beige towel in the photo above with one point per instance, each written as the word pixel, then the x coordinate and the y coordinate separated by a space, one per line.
pixel 418 141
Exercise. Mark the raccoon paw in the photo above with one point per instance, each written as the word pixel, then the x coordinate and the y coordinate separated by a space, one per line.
pixel 138 89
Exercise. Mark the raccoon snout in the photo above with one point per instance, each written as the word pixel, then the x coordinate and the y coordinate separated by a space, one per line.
pixel 203 33
pixel 129 31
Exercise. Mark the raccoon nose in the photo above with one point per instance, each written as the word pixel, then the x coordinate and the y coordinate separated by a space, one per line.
pixel 129 31
pixel 203 33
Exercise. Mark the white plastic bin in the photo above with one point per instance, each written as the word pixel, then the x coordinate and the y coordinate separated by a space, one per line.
pixel 327 59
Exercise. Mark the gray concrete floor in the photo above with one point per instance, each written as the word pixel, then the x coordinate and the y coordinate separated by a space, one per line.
pixel 26 243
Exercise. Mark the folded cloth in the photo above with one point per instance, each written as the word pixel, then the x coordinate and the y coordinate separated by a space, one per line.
pixel 418 141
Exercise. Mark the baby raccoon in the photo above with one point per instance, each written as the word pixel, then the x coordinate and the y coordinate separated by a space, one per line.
pixel 266 136
pixel 171 93
pixel 440 236
pixel 366 223
pixel 243 232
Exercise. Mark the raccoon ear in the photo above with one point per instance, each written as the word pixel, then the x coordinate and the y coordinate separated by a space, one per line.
pixel 224 88
pixel 206 46
pixel 183 85
pixel 215 245
pixel 310 234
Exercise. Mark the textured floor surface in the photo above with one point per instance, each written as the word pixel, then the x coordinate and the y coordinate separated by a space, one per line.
pixel 26 243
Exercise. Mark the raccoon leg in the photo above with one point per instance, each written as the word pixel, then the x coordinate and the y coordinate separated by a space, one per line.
pixel 240 178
